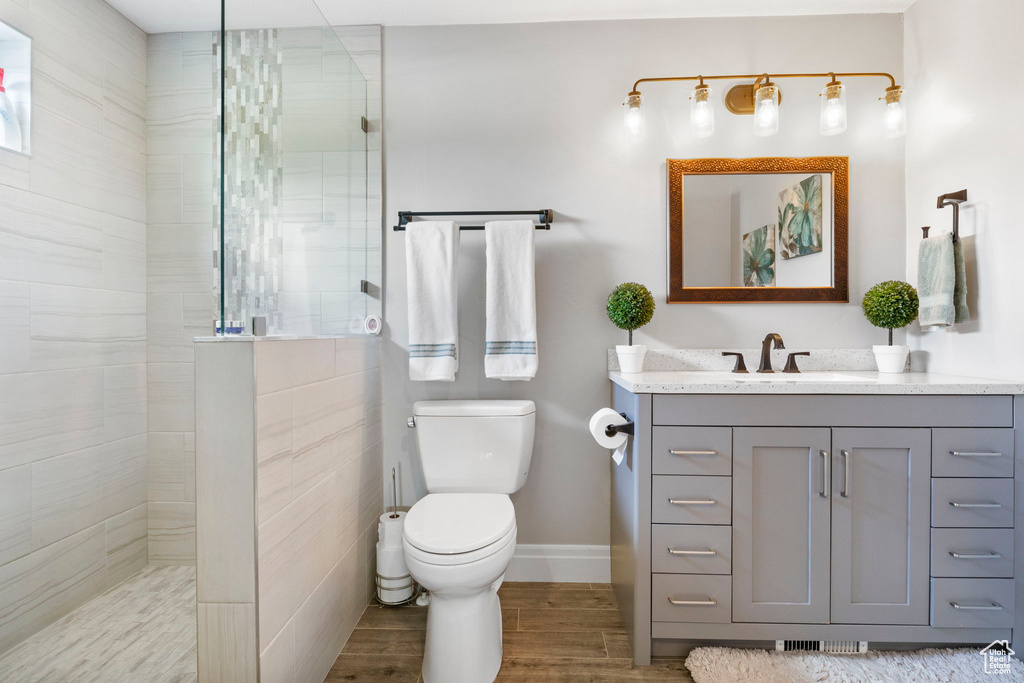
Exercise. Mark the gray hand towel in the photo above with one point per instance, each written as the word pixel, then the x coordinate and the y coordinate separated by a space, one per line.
pixel 942 282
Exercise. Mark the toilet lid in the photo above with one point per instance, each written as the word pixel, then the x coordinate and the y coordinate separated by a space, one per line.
pixel 449 523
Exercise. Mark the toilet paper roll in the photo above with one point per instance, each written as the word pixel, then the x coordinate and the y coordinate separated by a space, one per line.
pixel 393 581
pixel 617 442
pixel 389 531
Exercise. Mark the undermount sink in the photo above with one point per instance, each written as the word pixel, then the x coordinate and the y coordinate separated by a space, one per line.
pixel 791 377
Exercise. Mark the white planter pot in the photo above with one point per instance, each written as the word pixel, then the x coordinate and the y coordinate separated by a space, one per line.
pixel 631 358
pixel 891 359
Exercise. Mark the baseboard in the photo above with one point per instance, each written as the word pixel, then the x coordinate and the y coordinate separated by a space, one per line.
pixel 560 563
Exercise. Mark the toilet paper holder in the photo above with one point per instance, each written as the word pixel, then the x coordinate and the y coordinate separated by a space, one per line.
pixel 628 428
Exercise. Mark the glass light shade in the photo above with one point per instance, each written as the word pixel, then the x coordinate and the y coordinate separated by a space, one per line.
pixel 895 121
pixel 766 111
pixel 702 113
pixel 833 109
pixel 633 118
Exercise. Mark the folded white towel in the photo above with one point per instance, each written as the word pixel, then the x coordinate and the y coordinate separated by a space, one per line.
pixel 431 255
pixel 511 352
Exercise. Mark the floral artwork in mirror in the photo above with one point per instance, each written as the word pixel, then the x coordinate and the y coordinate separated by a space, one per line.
pixel 759 257
pixel 758 230
pixel 800 218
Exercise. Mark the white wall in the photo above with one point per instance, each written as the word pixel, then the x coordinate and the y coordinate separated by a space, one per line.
pixel 528 116
pixel 73 318
pixel 965 93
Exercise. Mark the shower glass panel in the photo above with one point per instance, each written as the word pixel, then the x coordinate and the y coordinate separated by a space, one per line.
pixel 293 220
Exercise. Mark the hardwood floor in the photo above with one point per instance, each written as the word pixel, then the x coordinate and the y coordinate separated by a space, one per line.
pixel 552 633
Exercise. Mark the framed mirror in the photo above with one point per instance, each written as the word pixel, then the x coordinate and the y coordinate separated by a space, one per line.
pixel 771 229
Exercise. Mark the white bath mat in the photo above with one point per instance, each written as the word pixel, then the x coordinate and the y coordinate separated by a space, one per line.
pixel 733 665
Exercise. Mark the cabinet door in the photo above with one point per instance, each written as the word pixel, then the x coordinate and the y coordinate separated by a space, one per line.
pixel 880 525
pixel 781 525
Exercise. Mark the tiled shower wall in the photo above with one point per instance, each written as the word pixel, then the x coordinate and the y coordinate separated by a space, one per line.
pixel 181 294
pixel 73 318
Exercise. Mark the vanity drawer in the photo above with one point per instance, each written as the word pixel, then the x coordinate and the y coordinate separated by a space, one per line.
pixel 692 450
pixel 698 500
pixel 972 453
pixel 972 603
pixel 687 549
pixel 706 598
pixel 972 502
pixel 972 553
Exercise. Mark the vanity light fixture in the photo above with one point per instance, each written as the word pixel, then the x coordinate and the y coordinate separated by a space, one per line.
pixel 762 99
pixel 895 122
pixel 833 108
pixel 702 114
pixel 634 116
pixel 766 109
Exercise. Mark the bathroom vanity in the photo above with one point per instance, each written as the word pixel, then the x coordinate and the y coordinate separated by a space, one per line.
pixel 826 506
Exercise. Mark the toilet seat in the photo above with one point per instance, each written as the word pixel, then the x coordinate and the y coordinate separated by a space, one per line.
pixel 456 528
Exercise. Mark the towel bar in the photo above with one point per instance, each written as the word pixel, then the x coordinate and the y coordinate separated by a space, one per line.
pixel 543 216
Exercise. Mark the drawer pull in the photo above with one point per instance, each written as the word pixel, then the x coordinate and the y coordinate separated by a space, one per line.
pixel 980 454
pixel 675 452
pixel 710 602
pixel 692 552
pixel 994 607
pixel 958 504
pixel 975 556
pixel 706 501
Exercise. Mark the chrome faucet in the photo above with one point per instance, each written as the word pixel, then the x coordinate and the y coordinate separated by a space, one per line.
pixel 766 351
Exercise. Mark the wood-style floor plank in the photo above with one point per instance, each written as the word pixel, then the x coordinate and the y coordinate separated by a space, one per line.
pixel 545 645
pixel 383 641
pixel 570 620
pixel 375 669
pixel 553 598
pixel 590 671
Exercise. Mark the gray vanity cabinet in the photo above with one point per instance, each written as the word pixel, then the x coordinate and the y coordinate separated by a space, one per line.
pixel 880 525
pixel 781 518
pixel 836 517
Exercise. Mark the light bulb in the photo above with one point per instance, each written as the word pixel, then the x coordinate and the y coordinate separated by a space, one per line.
pixel 634 116
pixel 702 114
pixel 766 110
pixel 895 121
pixel 833 109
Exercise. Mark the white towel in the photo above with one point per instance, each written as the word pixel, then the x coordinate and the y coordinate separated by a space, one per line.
pixel 431 255
pixel 511 352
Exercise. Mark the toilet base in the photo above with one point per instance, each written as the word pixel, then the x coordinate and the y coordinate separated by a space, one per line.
pixel 463 637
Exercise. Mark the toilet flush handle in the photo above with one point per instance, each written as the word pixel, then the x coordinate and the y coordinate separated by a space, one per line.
pixel 410 422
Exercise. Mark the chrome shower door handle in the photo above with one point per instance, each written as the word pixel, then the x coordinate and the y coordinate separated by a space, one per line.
pixel 845 491
pixel 824 474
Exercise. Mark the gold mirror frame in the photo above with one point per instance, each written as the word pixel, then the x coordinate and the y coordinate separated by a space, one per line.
pixel 839 170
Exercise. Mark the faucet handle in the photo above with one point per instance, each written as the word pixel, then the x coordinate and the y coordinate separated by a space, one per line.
pixel 740 366
pixel 791 361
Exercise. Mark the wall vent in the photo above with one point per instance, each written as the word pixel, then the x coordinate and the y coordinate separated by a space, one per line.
pixel 834 647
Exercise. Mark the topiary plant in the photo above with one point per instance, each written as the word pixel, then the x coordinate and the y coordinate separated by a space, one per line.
pixel 630 307
pixel 891 304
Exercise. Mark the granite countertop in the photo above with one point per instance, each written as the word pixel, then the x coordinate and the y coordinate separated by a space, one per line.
pixel 814 382
pixel 825 371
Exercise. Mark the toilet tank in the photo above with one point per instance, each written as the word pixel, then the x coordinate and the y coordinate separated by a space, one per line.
pixel 475 446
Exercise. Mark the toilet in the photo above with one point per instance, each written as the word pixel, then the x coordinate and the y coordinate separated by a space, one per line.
pixel 459 539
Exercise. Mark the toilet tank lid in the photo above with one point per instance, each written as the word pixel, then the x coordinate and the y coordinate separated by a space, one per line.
pixel 472 408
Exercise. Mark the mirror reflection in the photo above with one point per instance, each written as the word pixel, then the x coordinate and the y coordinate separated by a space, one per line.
pixel 758 230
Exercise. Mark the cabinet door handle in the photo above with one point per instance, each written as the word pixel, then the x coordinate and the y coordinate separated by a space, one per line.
pixel 680 501
pixel 958 504
pixel 978 454
pixel 710 602
pixel 708 452
pixel 991 607
pixel 975 556
pixel 845 492
pixel 692 552
pixel 824 474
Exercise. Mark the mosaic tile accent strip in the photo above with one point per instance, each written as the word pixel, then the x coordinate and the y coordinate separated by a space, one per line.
pixel 253 238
